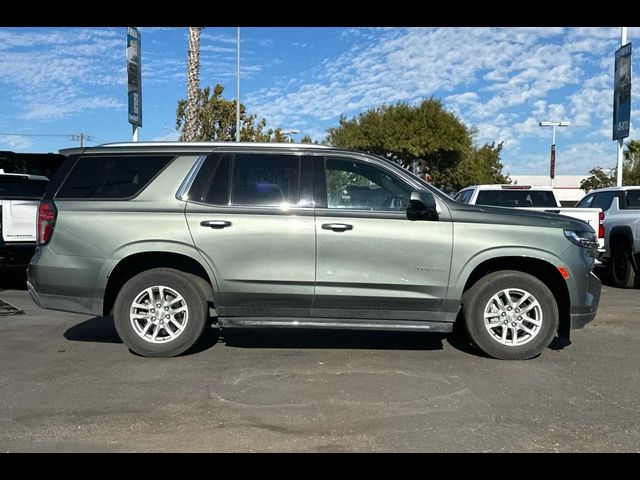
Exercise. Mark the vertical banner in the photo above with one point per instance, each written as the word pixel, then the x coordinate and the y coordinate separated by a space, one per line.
pixel 622 93
pixel 552 171
pixel 134 76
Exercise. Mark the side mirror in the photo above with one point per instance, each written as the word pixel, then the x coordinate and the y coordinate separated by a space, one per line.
pixel 422 206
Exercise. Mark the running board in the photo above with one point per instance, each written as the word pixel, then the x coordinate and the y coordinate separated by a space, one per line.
pixel 335 323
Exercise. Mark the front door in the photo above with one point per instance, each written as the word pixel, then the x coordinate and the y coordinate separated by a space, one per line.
pixel 372 261
pixel 251 219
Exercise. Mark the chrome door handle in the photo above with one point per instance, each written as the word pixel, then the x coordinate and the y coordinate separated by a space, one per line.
pixel 217 224
pixel 337 227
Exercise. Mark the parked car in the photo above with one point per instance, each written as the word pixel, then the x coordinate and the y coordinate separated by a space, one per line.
pixel 165 235
pixel 19 196
pixel 530 197
pixel 620 229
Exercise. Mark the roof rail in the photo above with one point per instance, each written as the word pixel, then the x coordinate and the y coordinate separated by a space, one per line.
pixel 210 144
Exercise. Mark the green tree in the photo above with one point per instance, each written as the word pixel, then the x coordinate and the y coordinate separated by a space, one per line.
pixel 482 166
pixel 426 133
pixel 599 178
pixel 216 118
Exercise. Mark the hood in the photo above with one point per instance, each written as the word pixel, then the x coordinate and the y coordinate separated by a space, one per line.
pixel 514 216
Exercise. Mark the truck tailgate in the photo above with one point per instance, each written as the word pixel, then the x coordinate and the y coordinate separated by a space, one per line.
pixel 19 220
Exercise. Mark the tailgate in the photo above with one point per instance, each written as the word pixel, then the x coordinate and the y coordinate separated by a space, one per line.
pixel 19 220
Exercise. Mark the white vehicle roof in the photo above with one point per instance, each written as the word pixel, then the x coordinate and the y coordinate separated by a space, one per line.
pixel 616 189
pixel 510 187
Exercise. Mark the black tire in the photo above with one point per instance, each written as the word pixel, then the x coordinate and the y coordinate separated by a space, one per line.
pixel 194 299
pixel 622 272
pixel 477 298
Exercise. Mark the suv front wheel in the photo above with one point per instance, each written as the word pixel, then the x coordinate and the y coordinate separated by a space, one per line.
pixel 510 315
pixel 160 313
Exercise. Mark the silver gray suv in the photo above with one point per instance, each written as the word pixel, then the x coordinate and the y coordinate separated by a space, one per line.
pixel 167 237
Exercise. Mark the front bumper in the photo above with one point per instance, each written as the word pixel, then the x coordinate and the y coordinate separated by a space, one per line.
pixel 586 310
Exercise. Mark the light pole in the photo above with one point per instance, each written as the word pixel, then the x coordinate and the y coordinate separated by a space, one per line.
pixel 288 133
pixel 552 168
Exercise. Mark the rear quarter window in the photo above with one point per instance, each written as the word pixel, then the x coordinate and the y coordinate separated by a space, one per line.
pixel 111 177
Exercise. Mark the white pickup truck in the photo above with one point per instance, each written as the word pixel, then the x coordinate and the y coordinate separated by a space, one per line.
pixel 621 211
pixel 19 196
pixel 541 198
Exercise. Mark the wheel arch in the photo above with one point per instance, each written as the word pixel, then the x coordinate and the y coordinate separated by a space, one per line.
pixel 136 263
pixel 543 270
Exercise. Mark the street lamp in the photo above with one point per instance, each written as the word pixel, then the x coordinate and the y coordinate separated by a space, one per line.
pixel 288 133
pixel 552 169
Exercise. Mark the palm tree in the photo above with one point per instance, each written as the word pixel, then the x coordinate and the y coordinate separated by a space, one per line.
pixel 191 127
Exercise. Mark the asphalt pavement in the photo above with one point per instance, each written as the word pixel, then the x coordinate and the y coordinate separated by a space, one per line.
pixel 68 384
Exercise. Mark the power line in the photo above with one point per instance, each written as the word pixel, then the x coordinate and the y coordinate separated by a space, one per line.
pixel 81 137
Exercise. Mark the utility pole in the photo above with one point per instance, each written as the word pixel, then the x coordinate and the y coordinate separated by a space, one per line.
pixel 552 167
pixel 80 138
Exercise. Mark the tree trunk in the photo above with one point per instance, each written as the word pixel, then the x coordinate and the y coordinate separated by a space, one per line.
pixel 191 126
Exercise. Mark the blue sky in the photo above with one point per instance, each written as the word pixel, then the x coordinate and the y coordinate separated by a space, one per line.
pixel 502 81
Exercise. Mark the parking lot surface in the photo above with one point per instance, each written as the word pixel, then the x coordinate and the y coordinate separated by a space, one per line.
pixel 67 383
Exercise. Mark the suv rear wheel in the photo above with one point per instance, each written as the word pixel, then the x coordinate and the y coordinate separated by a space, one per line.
pixel 510 315
pixel 160 313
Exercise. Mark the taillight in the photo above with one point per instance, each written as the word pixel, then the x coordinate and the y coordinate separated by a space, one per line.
pixel 601 226
pixel 46 221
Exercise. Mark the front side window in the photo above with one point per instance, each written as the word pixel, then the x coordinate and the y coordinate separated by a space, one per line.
pixel 360 186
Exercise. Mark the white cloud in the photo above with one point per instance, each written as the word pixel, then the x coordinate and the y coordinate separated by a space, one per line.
pixel 14 142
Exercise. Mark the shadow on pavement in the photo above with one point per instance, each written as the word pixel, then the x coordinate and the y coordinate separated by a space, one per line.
pixel 13 279
pixel 347 339
pixel 97 329
pixel 103 330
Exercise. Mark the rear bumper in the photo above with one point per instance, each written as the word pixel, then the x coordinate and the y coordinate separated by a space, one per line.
pixel 68 283
pixel 66 304
pixel 16 254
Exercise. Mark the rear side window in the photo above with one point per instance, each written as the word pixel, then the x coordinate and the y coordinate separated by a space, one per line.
pixel 16 188
pixel 111 177
pixel 265 180
pixel 604 200
pixel 248 179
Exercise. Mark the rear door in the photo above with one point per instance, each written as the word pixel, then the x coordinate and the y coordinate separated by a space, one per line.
pixel 251 217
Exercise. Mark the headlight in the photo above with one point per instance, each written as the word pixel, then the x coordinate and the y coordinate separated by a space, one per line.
pixel 582 238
